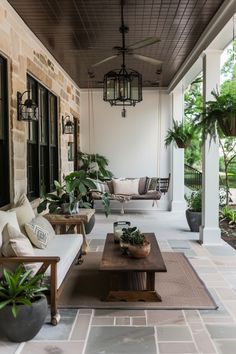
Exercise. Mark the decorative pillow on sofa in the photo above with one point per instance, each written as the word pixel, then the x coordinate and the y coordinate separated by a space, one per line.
pixel 100 186
pixel 142 185
pixel 6 217
pixel 37 235
pixel 42 222
pixel 24 212
pixel 15 244
pixel 151 185
pixel 126 186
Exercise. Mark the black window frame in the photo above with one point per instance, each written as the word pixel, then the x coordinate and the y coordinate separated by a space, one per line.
pixel 42 152
pixel 4 135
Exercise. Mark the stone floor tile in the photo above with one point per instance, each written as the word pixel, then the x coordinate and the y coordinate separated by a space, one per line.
pixel 7 347
pixel 53 347
pixel 117 340
pixel 85 311
pixel 62 330
pixel 220 331
pixel 81 326
pixel 220 319
pixel 186 251
pixel 221 250
pixel 122 321
pixel 201 262
pixel 173 333
pixel 177 348
pixel 192 316
pixel 231 306
pixel 182 244
pixel 226 293
pixel 138 321
pixel 165 317
pixel 206 270
pixel 226 347
pixel 202 338
pixel 103 321
pixel 119 313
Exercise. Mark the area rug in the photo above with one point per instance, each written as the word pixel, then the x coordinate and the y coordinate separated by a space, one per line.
pixel 180 287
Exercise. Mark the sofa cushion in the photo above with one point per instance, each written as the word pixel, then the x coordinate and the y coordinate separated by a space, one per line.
pixel 150 195
pixel 6 217
pixel 16 244
pixel 66 247
pixel 24 212
pixel 37 235
pixel 110 186
pixel 42 222
pixel 100 186
pixel 126 186
pixel 151 185
pixel 142 185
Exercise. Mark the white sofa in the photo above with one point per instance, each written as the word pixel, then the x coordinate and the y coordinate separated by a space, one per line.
pixel 54 261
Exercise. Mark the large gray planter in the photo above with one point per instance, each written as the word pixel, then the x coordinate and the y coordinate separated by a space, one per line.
pixel 27 323
pixel 194 219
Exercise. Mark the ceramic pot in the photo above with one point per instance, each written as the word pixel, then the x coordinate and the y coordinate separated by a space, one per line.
pixel 194 219
pixel 27 323
pixel 65 208
pixel 137 251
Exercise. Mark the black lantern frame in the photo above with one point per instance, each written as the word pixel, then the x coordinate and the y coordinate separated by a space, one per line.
pixel 67 125
pixel 122 87
pixel 27 111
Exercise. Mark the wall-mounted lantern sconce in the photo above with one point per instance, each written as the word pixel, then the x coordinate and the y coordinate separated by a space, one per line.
pixel 67 125
pixel 27 110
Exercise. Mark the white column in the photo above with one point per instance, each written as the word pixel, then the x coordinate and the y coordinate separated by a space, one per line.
pixel 210 231
pixel 177 176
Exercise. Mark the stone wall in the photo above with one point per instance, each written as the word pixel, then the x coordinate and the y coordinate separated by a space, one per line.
pixel 26 54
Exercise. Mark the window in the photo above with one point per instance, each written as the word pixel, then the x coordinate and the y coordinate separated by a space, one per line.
pixel 4 136
pixel 42 150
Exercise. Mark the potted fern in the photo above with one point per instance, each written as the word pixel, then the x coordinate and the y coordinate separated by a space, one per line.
pixel 218 117
pixel 194 211
pixel 182 133
pixel 23 305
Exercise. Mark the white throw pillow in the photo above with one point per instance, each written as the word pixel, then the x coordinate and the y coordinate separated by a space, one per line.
pixel 42 222
pixel 6 217
pixel 126 186
pixel 24 212
pixel 16 244
pixel 37 235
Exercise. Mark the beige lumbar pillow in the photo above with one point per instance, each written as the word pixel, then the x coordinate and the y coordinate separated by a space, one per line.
pixel 126 186
pixel 5 218
pixel 24 212
pixel 37 234
pixel 15 244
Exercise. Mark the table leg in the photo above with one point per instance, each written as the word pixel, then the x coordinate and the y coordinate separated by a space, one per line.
pixel 85 245
pixel 150 284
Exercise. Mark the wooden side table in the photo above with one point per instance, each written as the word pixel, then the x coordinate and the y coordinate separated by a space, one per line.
pixel 74 223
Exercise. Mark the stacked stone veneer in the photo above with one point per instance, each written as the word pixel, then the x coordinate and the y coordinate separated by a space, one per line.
pixel 26 54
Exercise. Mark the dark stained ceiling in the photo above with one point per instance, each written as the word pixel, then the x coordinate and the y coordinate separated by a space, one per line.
pixel 80 33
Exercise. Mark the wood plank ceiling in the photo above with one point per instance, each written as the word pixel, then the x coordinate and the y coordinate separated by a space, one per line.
pixel 80 33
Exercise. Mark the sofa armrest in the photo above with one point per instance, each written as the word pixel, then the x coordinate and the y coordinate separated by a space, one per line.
pixel 33 259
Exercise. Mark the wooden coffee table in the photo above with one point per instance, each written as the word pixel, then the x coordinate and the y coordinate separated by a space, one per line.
pixel 139 272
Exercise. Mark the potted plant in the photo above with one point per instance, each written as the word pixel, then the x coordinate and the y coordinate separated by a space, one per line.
pixel 68 194
pixel 219 115
pixel 194 211
pixel 23 306
pixel 95 166
pixel 135 242
pixel 182 133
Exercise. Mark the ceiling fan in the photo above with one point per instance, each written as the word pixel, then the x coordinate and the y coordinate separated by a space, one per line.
pixel 123 50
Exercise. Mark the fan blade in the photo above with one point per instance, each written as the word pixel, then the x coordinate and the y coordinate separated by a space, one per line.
pixel 143 43
pixel 147 59
pixel 104 60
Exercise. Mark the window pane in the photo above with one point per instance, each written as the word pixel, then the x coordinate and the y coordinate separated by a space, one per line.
pixel 43 115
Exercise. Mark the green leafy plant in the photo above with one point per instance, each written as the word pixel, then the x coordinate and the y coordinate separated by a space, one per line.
pixel 95 166
pixel 19 288
pixel 226 213
pixel 218 116
pixel 194 201
pixel 182 133
pixel 74 186
pixel 133 236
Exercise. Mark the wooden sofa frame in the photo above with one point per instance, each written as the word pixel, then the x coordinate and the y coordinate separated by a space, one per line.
pixel 47 262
